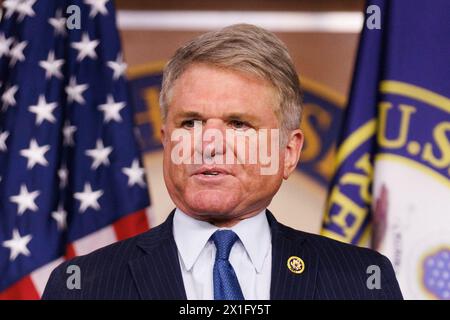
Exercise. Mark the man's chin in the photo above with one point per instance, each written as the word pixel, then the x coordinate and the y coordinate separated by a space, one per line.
pixel 210 202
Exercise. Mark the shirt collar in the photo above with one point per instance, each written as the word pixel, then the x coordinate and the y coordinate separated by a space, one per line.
pixel 191 236
pixel 255 235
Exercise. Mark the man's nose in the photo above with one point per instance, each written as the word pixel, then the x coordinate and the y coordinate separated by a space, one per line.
pixel 213 138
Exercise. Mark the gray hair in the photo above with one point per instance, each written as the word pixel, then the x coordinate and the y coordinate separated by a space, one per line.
pixel 244 48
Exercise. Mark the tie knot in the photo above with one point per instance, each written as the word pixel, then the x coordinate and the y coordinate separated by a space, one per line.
pixel 224 241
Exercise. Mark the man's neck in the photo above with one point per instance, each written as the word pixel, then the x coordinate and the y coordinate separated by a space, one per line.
pixel 223 222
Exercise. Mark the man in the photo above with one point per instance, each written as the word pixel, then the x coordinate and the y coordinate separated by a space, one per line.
pixel 231 107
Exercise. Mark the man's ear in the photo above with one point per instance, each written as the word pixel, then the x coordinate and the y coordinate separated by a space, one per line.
pixel 292 153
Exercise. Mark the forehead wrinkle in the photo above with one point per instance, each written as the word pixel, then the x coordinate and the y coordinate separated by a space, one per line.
pixel 221 96
pixel 221 83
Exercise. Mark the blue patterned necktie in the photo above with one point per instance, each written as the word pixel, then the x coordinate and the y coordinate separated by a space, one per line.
pixel 226 285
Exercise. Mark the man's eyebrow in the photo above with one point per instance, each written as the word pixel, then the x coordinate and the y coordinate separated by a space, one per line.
pixel 241 116
pixel 189 114
pixel 228 116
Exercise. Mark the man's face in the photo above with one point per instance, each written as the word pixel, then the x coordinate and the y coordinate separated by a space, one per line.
pixel 208 97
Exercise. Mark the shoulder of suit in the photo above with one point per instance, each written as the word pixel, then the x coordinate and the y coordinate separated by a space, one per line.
pixel 123 250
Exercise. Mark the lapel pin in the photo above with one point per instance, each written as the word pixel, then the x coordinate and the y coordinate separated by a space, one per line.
pixel 296 265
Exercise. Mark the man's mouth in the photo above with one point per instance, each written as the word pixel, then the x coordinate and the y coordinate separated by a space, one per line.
pixel 211 172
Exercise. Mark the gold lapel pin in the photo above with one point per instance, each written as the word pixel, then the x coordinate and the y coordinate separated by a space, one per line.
pixel 296 265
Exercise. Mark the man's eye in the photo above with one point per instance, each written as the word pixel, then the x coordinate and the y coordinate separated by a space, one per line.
pixel 239 125
pixel 189 124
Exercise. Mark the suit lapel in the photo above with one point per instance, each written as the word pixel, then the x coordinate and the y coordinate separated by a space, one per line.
pixel 286 243
pixel 157 273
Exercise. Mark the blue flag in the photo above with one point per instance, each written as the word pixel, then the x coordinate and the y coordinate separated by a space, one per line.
pixel 71 178
pixel 391 188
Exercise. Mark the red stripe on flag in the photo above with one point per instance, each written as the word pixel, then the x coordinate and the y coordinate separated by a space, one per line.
pixel 124 228
pixel 131 225
pixel 70 252
pixel 23 289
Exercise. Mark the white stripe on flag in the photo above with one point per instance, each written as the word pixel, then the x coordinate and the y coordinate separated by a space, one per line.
pixel 40 276
pixel 95 240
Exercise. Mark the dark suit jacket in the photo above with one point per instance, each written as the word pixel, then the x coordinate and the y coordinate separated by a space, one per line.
pixel 147 267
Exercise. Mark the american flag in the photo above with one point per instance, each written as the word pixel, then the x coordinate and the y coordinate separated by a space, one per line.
pixel 71 178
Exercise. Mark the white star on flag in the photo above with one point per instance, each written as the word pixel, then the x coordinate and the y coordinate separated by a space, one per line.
pixel 5 43
pixel 25 8
pixel 25 200
pixel 99 154
pixel 135 174
pixel 59 23
pixel 85 47
pixel 17 245
pixel 63 175
pixel 52 67
pixel 111 109
pixel 88 198
pixel 117 66
pixel 35 154
pixel 75 91
pixel 43 110
pixel 8 97
pixel 96 7
pixel 16 52
pixel 11 7
pixel 60 217
pixel 3 136
pixel 68 132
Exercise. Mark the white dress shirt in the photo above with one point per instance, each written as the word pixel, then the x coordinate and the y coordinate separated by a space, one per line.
pixel 250 256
